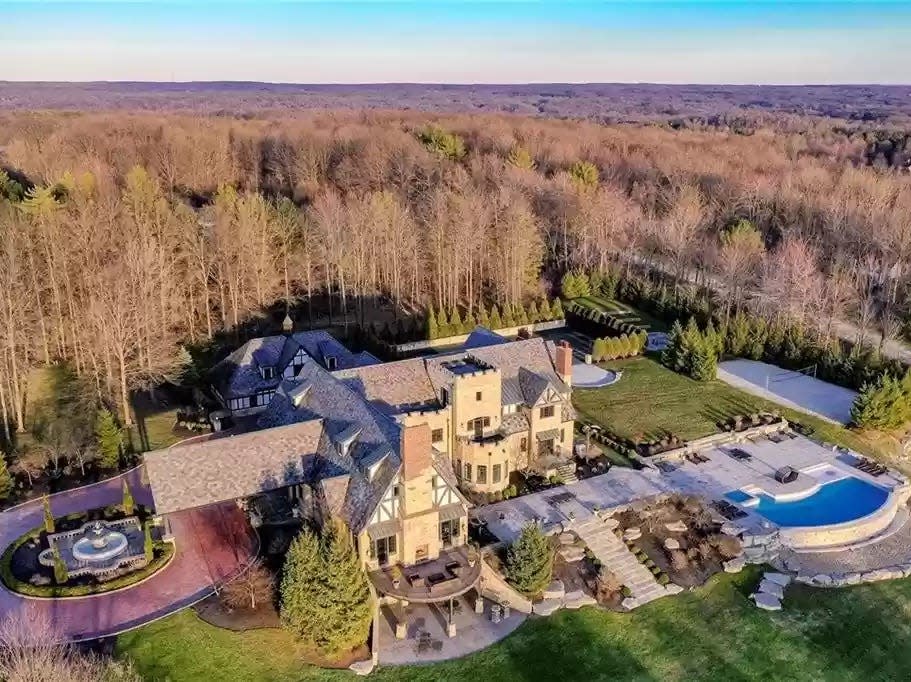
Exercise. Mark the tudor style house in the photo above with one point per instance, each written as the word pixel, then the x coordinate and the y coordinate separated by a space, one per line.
pixel 387 447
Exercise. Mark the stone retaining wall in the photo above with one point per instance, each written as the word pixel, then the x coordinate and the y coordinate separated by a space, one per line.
pixel 716 439
pixel 496 589
pixel 856 577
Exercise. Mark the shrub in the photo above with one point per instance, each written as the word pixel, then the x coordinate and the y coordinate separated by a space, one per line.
pixel 253 587
pixel 663 579
pixel 678 559
pixel 6 480
pixel 728 546
pixel 625 591
pixel 446 144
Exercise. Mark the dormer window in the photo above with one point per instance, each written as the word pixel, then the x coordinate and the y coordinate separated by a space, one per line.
pixel 267 372
pixel 330 363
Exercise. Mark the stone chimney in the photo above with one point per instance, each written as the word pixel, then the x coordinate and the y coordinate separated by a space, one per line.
pixel 415 451
pixel 564 362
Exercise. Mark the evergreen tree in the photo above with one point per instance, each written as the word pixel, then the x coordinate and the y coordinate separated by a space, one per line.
pixel 443 324
pixel 533 314
pixel 509 316
pixel 109 437
pixel 300 586
pixel 48 516
pixel 672 355
pixel 882 405
pixel 147 545
pixel 574 285
pixel 483 317
pixel 433 327
pixel 522 318
pixel 544 312
pixel 496 321
pixel 715 338
pixel 128 502
pixel 643 341
pixel 556 310
pixel 584 174
pixel 703 361
pixel 6 480
pixel 346 596
pixel 529 561
pixel 61 575
pixel 738 335
pixel 598 350
pixel 455 321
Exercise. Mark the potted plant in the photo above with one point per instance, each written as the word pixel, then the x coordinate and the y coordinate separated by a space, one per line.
pixel 473 554
pixel 396 576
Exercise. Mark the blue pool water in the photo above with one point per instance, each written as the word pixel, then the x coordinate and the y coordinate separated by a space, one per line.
pixel 836 502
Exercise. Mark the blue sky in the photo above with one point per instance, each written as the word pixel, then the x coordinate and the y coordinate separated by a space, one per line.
pixel 467 42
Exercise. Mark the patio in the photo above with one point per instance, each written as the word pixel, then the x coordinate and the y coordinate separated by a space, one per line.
pixel 427 638
pixel 449 575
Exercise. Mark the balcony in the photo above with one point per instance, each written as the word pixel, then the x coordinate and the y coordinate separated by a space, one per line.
pixel 440 579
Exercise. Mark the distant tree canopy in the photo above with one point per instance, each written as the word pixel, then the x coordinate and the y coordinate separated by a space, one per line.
pixel 128 240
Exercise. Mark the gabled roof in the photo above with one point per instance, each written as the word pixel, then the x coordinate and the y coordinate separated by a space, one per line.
pixel 201 472
pixel 239 373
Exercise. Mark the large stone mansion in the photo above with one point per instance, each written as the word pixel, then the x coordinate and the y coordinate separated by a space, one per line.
pixel 390 448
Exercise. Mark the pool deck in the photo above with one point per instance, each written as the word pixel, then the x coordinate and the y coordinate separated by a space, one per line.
pixel 816 464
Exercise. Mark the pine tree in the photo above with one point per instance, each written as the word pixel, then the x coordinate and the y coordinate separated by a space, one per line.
pixel 556 310
pixel 433 327
pixel 703 361
pixel 346 596
pixel 147 545
pixel 455 321
pixel 483 317
pixel 529 561
pixel 128 503
pixel 496 322
pixel 598 350
pixel 470 323
pixel 300 586
pixel 6 480
pixel 509 316
pixel 522 317
pixel 48 516
pixel 544 312
pixel 109 439
pixel 61 575
pixel 443 323
pixel 672 355
pixel 738 335
pixel 533 314
pixel 881 405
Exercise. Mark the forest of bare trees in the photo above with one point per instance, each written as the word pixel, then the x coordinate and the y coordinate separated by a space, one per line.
pixel 125 238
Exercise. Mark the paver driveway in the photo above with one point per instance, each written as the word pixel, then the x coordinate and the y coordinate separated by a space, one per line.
pixel 213 545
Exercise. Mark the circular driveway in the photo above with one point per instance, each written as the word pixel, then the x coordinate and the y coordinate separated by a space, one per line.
pixel 212 545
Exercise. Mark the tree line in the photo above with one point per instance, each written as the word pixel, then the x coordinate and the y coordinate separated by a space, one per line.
pixel 126 240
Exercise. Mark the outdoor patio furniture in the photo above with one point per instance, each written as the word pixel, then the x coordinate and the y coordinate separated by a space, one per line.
pixel 454 567
pixel 786 474
pixel 416 580
pixel 424 642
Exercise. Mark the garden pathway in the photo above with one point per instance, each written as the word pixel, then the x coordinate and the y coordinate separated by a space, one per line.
pixel 212 545
pixel 614 554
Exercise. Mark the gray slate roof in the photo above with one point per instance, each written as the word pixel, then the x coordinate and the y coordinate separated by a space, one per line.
pixel 239 373
pixel 210 470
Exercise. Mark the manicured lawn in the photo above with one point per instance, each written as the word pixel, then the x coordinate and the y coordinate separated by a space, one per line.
pixel 714 633
pixel 153 431
pixel 651 400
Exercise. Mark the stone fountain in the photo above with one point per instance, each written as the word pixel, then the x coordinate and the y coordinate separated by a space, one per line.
pixel 99 548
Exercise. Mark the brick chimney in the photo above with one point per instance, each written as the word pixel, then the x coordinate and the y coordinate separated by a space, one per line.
pixel 415 451
pixel 564 362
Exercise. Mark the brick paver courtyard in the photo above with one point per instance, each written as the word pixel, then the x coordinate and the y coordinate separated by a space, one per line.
pixel 213 544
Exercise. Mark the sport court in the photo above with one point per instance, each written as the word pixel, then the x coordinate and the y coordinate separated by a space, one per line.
pixel 798 390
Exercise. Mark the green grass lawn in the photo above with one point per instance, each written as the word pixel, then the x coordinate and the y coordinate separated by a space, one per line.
pixel 651 400
pixel 714 633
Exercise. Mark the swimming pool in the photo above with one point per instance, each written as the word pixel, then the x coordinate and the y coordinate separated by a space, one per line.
pixel 846 499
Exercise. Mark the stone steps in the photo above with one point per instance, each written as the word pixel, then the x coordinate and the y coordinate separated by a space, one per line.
pixel 617 557
pixel 567 472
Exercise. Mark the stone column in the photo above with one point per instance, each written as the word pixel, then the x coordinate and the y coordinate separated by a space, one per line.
pixel 451 627
pixel 479 604
pixel 401 621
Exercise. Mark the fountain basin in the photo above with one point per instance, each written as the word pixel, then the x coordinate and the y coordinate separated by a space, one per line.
pixel 100 544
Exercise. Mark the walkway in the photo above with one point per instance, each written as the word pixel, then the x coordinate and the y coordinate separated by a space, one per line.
pixel 613 553
pixel 213 544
